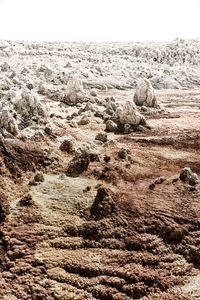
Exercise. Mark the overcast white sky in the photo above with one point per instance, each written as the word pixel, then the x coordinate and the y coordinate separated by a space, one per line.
pixel 99 20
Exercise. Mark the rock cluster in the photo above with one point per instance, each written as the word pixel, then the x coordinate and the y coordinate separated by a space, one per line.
pixel 84 229
pixel 28 105
pixel 166 65
pixel 19 109
pixel 188 176
pixel 126 119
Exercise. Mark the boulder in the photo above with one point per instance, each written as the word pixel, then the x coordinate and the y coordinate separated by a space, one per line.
pixel 145 95
pixel 111 126
pixel 193 179
pixel 165 82
pixel 67 146
pixel 28 108
pixel 84 121
pixel 74 92
pixel 101 136
pixel 93 93
pixel 79 163
pixel 185 174
pixel 8 123
pixel 104 203
pixel 128 114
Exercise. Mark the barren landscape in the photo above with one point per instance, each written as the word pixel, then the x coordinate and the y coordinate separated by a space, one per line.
pixel 99 166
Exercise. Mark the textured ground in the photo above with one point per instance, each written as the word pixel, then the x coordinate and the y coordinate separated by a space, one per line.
pixel 172 65
pixel 54 246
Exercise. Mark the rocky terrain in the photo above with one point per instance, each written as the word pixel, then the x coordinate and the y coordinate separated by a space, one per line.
pixel 99 166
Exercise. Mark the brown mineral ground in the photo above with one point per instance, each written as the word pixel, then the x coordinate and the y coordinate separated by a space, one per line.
pixel 125 228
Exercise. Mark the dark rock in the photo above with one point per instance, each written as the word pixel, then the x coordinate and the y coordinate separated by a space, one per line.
pixel 84 121
pixel 26 200
pixel 39 177
pixel 87 189
pixel 101 136
pixel 159 180
pixel 192 189
pixel 30 86
pixel 67 146
pixel 106 117
pixel 152 186
pixel 175 180
pixel 99 114
pixel 104 203
pixel 74 115
pixel 48 130
pixel 107 158
pixel 94 156
pixel 4 208
pixel 123 153
pixel 79 163
pixel 185 174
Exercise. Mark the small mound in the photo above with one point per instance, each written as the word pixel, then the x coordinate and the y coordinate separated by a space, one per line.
pixel 104 203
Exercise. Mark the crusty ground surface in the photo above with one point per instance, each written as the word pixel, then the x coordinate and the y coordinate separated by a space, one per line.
pixel 147 248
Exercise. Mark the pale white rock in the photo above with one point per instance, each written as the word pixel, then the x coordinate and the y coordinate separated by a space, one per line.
pixel 27 104
pixel 74 92
pixel 5 67
pixel 165 82
pixel 120 64
pixel 8 123
pixel 128 114
pixel 4 44
pixel 93 93
pixel 145 94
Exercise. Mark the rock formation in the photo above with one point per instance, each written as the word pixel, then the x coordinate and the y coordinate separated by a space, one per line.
pixel 27 104
pixel 8 123
pixel 79 163
pixel 145 95
pixel 74 92
pixel 128 118
pixel 104 203
pixel 188 176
